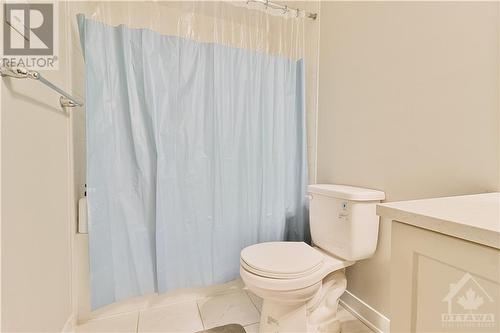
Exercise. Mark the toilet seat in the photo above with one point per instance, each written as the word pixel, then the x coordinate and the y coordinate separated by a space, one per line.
pixel 307 265
pixel 281 260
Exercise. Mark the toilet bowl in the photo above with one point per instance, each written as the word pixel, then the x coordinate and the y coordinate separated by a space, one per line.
pixel 289 277
pixel 300 284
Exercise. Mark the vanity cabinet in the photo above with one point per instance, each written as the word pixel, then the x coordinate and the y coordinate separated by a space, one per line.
pixel 445 264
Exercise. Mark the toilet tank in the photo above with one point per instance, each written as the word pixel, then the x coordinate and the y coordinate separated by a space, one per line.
pixel 343 220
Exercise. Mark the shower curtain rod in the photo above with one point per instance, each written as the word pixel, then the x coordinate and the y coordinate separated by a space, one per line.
pixel 285 8
pixel 66 99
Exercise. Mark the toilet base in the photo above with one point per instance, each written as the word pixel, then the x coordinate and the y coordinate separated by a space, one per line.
pixel 277 317
pixel 316 315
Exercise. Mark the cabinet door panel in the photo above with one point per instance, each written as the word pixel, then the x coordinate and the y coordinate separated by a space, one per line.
pixel 442 284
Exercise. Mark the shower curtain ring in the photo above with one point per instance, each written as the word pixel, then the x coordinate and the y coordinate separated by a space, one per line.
pixel 285 10
pixel 267 4
pixel 298 12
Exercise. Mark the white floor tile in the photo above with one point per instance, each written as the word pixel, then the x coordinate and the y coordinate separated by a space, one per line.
pixel 225 304
pixel 226 288
pixel 256 300
pixel 180 317
pixel 234 308
pixel 193 294
pixel 254 328
pixel 122 323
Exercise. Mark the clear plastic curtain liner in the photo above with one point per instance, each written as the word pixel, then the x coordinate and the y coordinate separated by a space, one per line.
pixel 196 140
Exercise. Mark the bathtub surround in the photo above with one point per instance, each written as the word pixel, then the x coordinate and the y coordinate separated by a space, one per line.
pixel 408 104
pixel 194 151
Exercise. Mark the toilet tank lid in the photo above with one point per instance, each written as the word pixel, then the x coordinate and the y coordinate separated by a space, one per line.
pixel 347 192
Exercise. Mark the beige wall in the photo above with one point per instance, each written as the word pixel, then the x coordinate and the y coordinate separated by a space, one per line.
pixel 35 190
pixel 408 104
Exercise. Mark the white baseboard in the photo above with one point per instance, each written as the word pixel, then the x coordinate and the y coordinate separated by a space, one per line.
pixel 69 326
pixel 368 315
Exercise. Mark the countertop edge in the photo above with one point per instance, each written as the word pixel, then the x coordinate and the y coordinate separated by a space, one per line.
pixel 450 228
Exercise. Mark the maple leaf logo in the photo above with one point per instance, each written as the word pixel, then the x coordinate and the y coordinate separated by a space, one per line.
pixel 470 301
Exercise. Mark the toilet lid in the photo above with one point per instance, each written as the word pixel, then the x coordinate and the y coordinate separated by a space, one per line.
pixel 282 260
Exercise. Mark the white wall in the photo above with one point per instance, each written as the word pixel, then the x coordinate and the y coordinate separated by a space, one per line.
pixel 408 104
pixel 35 194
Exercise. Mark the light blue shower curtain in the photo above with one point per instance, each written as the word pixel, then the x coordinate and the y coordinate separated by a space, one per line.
pixel 194 151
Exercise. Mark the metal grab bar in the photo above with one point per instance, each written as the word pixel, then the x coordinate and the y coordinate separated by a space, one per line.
pixel 66 99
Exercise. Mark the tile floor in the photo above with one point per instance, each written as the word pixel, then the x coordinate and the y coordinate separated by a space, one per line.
pixel 232 305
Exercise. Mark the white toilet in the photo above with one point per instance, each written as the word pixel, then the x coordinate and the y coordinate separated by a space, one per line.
pixel 301 285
